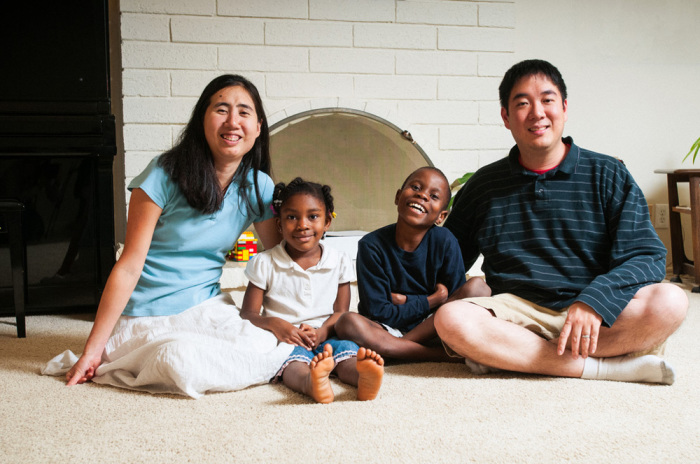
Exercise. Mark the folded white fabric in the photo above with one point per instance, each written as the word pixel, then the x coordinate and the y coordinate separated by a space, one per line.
pixel 61 364
pixel 207 348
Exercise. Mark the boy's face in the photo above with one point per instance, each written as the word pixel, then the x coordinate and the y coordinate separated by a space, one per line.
pixel 422 200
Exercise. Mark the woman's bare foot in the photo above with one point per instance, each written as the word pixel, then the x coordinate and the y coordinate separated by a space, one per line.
pixel 321 367
pixel 370 367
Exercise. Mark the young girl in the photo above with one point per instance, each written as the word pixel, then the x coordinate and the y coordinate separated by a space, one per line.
pixel 303 288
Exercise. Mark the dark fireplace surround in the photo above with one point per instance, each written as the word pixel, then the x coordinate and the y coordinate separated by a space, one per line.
pixel 57 147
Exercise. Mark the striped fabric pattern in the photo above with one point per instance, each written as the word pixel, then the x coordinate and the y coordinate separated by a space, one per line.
pixel 580 232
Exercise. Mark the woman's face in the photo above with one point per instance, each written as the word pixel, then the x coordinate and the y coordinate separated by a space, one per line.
pixel 231 124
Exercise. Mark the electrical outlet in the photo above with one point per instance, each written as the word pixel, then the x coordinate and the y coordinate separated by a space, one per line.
pixel 661 216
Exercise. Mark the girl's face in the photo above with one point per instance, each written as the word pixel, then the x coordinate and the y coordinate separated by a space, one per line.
pixel 231 124
pixel 303 221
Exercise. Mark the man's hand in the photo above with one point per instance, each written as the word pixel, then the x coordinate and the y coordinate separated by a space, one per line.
pixel 583 326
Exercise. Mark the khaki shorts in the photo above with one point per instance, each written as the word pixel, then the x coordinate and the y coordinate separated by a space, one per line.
pixel 542 321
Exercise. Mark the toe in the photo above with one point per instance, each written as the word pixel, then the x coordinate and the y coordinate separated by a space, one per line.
pixel 361 353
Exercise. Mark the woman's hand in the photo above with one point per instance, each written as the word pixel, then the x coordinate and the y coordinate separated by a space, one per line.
pixel 143 216
pixel 83 370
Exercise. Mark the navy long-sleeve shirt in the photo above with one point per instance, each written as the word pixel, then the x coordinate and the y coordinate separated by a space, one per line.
pixel 383 268
pixel 580 232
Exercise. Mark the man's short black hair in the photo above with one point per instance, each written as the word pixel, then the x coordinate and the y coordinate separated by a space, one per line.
pixel 525 69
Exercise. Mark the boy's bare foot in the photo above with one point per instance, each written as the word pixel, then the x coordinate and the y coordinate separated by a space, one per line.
pixel 321 367
pixel 370 367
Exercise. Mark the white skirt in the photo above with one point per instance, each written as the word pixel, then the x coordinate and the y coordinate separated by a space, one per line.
pixel 207 348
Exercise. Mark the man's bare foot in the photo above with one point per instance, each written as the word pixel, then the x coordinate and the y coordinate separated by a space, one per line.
pixel 370 367
pixel 321 367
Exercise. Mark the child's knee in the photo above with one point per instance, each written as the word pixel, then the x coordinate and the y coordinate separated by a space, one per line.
pixel 476 286
pixel 348 325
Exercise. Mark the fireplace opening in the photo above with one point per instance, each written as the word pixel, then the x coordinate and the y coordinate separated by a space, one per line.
pixel 363 157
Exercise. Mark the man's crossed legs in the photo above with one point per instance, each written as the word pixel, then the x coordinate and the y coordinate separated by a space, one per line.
pixel 654 313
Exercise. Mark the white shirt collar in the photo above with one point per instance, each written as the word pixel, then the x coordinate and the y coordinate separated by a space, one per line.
pixel 329 257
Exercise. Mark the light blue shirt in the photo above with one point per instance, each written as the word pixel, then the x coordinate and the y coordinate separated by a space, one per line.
pixel 187 253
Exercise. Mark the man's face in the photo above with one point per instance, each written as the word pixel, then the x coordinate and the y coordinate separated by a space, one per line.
pixel 536 114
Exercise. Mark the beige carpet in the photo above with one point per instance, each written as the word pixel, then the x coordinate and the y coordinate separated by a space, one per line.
pixel 425 413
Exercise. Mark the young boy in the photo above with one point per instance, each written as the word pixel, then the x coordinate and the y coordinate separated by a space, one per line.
pixel 405 271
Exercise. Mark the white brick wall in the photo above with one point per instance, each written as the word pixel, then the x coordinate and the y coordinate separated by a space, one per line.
pixel 145 27
pixel 217 30
pixel 308 33
pixel 169 7
pixel 304 85
pixel 395 36
pixel 436 62
pixel 475 138
pixel 454 13
pixel 264 8
pixel 475 39
pixel 468 88
pixel 263 59
pixel 162 55
pixel 355 10
pixel 140 110
pixel 439 112
pixel 145 83
pixel 430 66
pixel 490 113
pixel 497 15
pixel 351 60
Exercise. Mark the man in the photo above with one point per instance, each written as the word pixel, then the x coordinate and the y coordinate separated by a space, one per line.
pixel 569 253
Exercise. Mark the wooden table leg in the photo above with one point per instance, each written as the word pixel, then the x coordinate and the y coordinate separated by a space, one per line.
pixel 695 226
pixel 677 252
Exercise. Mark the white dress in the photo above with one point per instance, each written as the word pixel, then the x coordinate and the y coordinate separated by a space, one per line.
pixel 207 348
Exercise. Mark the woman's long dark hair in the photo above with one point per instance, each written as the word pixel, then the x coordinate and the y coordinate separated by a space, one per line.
pixel 190 162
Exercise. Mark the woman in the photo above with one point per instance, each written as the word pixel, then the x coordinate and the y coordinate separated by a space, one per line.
pixel 162 324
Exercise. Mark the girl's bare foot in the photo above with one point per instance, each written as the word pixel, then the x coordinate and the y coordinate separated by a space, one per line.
pixel 321 367
pixel 370 367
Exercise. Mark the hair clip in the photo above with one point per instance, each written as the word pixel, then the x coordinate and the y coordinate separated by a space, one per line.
pixel 275 206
